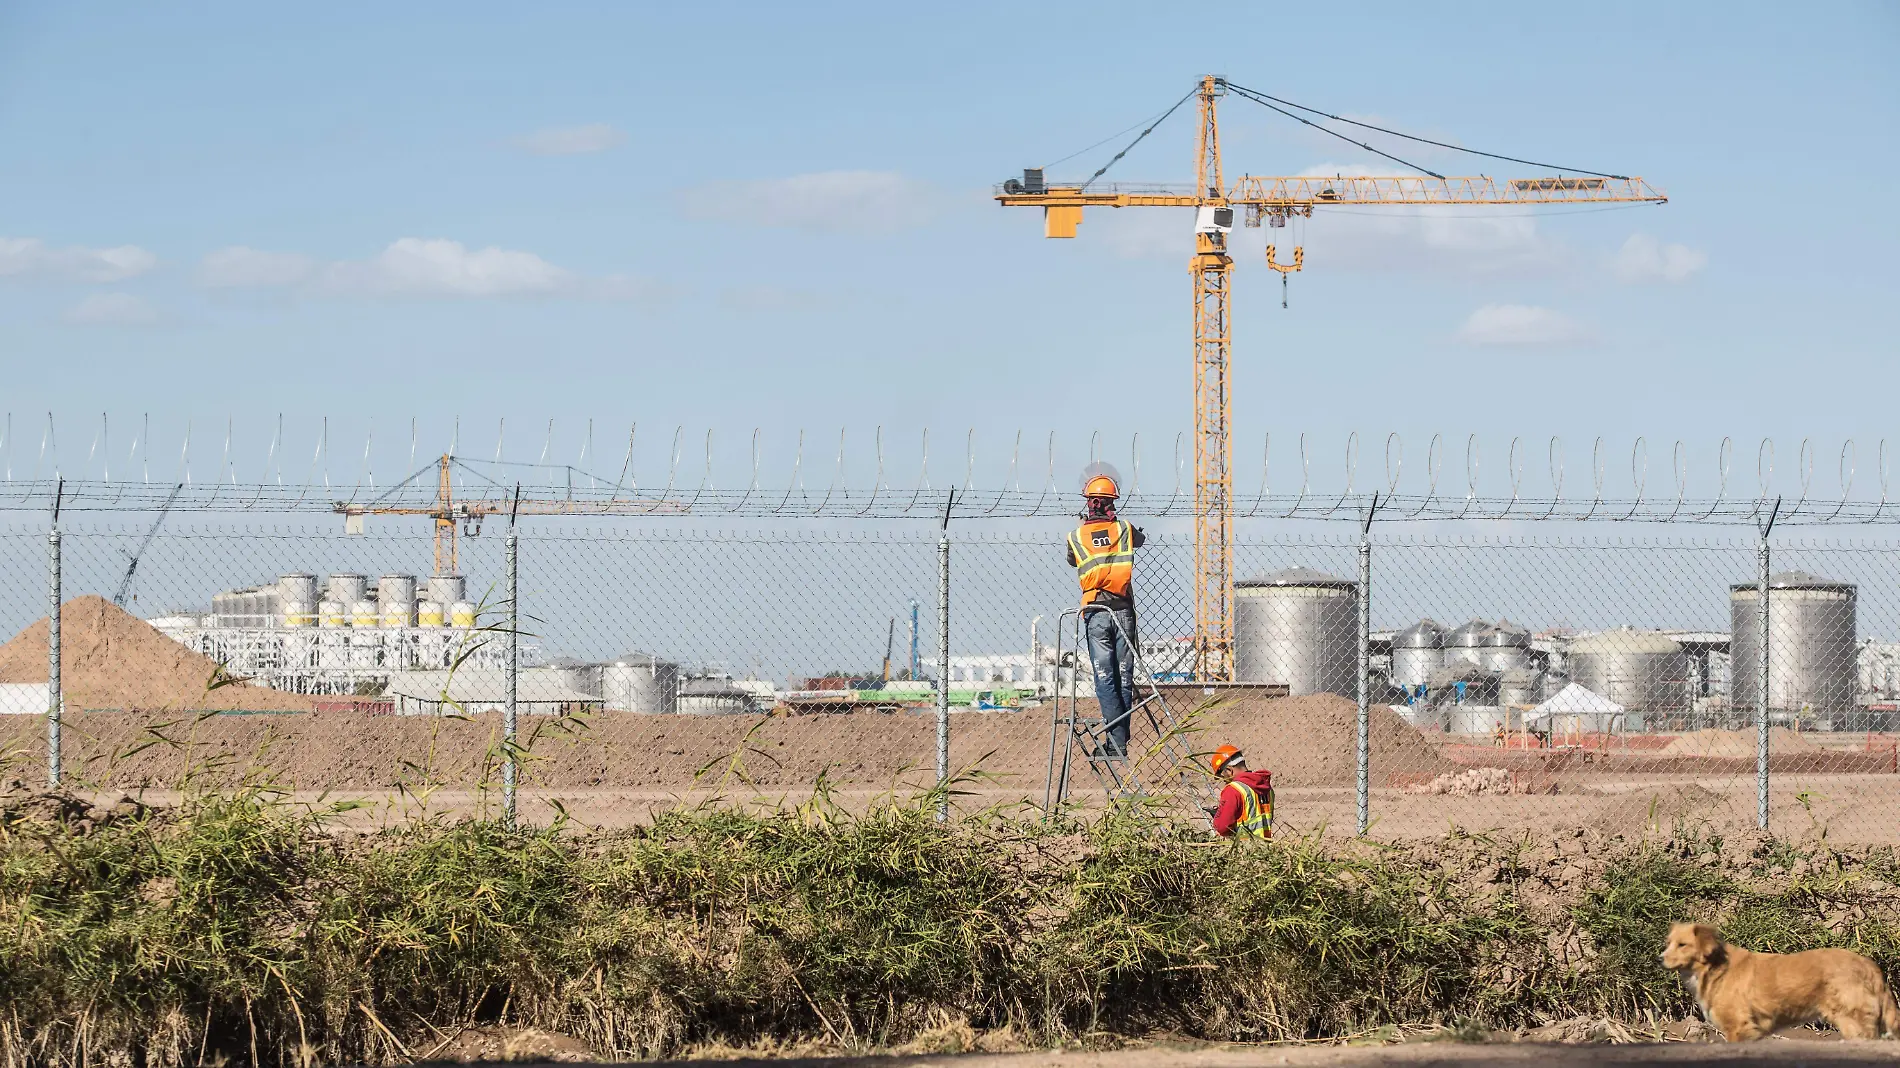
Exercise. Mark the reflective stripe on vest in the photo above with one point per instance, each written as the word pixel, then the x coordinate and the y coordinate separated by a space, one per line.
pixel 1256 813
pixel 1104 553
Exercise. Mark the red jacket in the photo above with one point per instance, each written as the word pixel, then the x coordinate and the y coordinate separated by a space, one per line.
pixel 1229 813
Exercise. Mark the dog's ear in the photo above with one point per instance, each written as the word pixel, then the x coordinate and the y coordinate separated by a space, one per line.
pixel 1708 944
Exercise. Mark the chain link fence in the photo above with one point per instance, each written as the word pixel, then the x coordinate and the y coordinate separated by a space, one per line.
pixel 1498 683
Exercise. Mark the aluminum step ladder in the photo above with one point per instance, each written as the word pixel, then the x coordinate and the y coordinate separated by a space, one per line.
pixel 1159 762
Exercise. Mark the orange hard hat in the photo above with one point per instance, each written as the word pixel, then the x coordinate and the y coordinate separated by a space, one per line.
pixel 1226 755
pixel 1101 480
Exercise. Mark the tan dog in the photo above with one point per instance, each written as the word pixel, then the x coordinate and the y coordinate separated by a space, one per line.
pixel 1751 995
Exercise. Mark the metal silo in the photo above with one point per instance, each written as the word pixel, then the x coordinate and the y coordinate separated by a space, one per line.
pixel 1467 642
pixel 1520 687
pixel 1642 670
pixel 396 600
pixel 297 596
pixel 1507 647
pixel 445 590
pixel 347 588
pixel 1298 628
pixel 1417 651
pixel 428 614
pixel 640 682
pixel 1811 652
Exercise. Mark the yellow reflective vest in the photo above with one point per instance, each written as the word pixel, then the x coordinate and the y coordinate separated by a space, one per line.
pixel 1104 554
pixel 1256 812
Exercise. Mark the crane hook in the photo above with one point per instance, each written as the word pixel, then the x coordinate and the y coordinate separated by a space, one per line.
pixel 1285 269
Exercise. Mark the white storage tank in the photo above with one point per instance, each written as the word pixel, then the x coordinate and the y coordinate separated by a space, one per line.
pixel 363 613
pixel 640 682
pixel 1812 661
pixel 297 593
pixel 445 590
pixel 461 614
pixel 332 614
pixel 1417 651
pixel 1520 687
pixel 396 600
pixel 713 697
pixel 1642 670
pixel 429 614
pixel 1507 647
pixel 1467 643
pixel 347 588
pixel 1298 628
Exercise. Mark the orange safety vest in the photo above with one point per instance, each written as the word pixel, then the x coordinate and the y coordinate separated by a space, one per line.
pixel 1256 812
pixel 1104 552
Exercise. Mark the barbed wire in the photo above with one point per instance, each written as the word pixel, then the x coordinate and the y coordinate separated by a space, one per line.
pixel 1031 486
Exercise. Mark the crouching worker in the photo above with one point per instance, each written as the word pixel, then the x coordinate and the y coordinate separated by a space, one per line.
pixel 1246 797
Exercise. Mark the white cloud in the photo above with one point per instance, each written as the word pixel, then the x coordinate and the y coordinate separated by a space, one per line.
pixel 1521 324
pixel 420 267
pixel 572 140
pixel 1644 259
pixel 839 201
pixel 238 267
pixel 435 267
pixel 113 309
pixel 29 257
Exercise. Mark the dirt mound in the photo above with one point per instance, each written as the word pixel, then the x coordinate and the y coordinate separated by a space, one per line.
pixel 1742 743
pixel 1657 809
pixel 112 659
pixel 1312 740
pixel 1304 741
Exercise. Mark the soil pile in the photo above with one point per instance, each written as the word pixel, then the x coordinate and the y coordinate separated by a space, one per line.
pixel 1742 743
pixel 1304 741
pixel 112 659
pixel 1312 740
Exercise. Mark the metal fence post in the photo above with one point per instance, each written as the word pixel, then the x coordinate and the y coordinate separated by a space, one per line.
pixel 1761 673
pixel 508 710
pixel 53 699
pixel 1364 753
pixel 943 661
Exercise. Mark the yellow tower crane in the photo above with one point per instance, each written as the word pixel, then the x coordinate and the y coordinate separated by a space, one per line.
pixel 446 510
pixel 1273 200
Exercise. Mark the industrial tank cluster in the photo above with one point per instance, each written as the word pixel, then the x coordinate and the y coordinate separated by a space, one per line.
pixel 346 602
pixel 1299 628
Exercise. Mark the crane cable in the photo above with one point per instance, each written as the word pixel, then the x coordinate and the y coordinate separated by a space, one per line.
pixel 1151 129
pixel 1261 98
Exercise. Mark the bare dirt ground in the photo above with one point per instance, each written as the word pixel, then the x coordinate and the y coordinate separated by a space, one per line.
pixel 1807 1049
pixel 1807 1053
pixel 137 724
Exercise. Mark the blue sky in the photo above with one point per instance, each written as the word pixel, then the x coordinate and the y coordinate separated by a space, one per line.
pixel 777 216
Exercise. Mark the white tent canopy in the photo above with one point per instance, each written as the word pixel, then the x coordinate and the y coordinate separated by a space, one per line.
pixel 1575 700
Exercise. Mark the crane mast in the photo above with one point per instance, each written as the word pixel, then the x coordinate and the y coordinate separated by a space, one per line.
pixel 1213 271
pixel 1274 199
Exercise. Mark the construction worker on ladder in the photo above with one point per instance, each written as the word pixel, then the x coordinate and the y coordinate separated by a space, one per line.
pixel 1246 797
pixel 1102 551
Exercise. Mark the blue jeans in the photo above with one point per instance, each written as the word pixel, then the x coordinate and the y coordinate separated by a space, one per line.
pixel 1112 654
